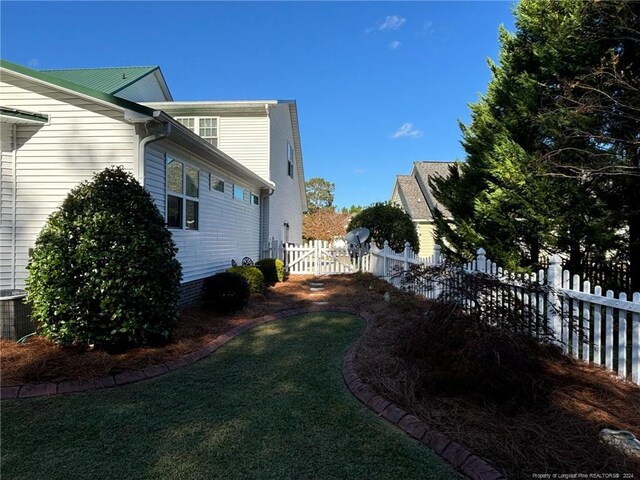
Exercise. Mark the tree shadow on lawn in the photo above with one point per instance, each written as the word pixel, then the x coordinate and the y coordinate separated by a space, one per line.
pixel 269 404
pixel 41 360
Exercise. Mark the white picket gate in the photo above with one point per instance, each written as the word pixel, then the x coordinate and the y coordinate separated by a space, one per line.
pixel 321 258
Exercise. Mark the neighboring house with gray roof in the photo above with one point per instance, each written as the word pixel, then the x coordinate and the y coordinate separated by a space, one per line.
pixel 56 133
pixel 413 194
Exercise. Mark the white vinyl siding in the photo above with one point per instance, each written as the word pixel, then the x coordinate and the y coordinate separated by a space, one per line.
pixel 227 229
pixel 6 206
pixel 256 135
pixel 82 139
pixel 246 139
pixel 281 207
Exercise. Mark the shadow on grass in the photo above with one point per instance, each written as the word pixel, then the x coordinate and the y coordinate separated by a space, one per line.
pixel 269 404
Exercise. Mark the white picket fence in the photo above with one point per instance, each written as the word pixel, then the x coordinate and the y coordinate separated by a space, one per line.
pixel 319 257
pixel 385 263
pixel 603 329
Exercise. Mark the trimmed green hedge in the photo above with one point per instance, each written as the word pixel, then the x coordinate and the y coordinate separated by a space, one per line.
pixel 226 292
pixel 104 270
pixel 253 275
pixel 272 269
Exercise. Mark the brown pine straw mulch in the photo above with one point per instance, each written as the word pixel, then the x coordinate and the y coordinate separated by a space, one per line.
pixel 560 438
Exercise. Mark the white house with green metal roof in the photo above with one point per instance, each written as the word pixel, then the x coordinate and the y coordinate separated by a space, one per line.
pixel 263 135
pixel 56 133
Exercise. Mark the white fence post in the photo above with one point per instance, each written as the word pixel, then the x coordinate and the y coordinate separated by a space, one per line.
pixel 554 281
pixel 635 342
pixel 481 264
pixel 436 255
pixel 385 258
pixel 407 253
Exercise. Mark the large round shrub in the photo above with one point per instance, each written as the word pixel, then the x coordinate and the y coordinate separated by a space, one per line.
pixel 272 269
pixel 388 222
pixel 226 292
pixel 104 268
pixel 252 274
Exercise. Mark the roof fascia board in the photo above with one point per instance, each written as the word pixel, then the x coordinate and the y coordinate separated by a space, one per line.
pixel 163 84
pixel 293 111
pixel 212 108
pixel 70 87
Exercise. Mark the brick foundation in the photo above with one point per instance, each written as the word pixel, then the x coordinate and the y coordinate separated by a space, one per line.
pixel 191 292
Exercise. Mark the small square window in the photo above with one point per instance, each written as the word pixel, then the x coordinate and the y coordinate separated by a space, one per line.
pixel 216 184
pixel 238 193
pixel 255 200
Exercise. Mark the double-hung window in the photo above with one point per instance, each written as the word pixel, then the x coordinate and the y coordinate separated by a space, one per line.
pixel 290 157
pixel 183 194
pixel 206 127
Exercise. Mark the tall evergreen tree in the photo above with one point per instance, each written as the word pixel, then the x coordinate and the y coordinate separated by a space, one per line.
pixel 552 148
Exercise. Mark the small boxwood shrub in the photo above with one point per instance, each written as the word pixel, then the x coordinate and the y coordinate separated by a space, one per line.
pixel 254 277
pixel 104 268
pixel 272 269
pixel 226 292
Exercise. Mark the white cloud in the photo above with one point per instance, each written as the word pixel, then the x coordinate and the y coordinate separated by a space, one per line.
pixel 395 44
pixel 427 28
pixel 392 22
pixel 407 130
pixel 360 171
pixel 33 63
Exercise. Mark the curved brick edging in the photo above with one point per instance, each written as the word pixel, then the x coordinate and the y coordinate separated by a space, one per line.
pixel 462 459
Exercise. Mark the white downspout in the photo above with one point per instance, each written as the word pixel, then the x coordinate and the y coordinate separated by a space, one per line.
pixel 142 146
pixel 14 140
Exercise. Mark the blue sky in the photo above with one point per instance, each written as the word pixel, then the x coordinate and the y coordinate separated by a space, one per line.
pixel 379 85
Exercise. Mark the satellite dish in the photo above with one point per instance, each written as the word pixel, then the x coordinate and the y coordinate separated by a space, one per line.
pixel 357 247
pixel 358 236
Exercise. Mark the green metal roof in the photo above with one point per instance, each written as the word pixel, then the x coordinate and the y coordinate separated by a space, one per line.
pixel 108 80
pixel 82 89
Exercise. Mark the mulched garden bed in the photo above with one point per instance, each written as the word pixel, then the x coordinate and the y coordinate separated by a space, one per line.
pixel 560 438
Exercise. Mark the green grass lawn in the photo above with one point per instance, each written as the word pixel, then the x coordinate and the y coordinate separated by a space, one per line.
pixel 269 404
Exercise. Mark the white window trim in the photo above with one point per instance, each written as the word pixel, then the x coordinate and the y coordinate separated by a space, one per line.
pixel 183 195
